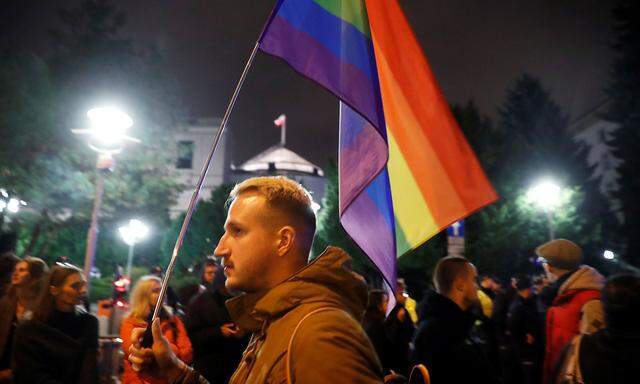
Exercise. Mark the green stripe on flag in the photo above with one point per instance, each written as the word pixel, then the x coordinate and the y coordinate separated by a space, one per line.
pixel 351 11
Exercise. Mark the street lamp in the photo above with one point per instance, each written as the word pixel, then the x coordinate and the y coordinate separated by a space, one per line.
pixel 546 194
pixel 609 255
pixel 8 205
pixel 106 132
pixel 131 234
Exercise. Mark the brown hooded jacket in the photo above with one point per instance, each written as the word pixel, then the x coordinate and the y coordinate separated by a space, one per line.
pixel 330 346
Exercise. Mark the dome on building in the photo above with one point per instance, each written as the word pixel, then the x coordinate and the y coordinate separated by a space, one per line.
pixel 277 159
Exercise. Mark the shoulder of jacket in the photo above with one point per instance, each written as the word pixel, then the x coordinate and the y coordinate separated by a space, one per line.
pixel 330 319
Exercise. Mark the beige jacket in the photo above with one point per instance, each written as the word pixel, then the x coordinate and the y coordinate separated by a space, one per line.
pixel 329 347
pixel 592 319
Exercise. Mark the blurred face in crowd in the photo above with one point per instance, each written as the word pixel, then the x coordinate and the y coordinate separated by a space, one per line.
pixel 384 303
pixel 553 273
pixel 155 292
pixel 249 244
pixel 21 274
pixel 70 293
pixel 400 293
pixel 471 286
pixel 209 274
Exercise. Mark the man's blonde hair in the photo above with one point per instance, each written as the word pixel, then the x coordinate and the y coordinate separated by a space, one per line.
pixel 286 196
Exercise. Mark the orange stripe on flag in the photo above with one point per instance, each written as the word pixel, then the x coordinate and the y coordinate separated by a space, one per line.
pixel 420 119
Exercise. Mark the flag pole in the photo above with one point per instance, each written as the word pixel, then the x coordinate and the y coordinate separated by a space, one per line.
pixel 147 339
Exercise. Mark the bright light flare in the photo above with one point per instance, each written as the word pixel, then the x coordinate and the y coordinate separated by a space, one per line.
pixel 545 194
pixel 133 232
pixel 315 206
pixel 13 205
pixel 109 124
pixel 609 255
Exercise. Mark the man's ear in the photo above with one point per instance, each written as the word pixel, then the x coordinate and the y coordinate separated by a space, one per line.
pixel 286 239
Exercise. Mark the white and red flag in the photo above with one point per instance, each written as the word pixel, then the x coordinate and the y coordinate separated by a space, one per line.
pixel 280 121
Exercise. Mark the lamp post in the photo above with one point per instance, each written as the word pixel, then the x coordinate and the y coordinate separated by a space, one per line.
pixel 132 233
pixel 546 194
pixel 106 132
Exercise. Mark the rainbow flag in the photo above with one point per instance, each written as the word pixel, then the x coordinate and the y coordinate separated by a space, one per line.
pixel 406 170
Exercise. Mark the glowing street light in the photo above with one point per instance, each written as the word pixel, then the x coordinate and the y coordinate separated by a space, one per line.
pixel 546 194
pixel 131 234
pixel 609 255
pixel 108 127
pixel 10 204
pixel 107 131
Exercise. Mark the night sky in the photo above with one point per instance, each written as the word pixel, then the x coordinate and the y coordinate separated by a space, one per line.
pixel 476 49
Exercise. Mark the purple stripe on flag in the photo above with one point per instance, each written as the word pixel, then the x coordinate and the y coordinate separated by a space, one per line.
pixel 313 60
pixel 365 193
pixel 363 153
pixel 368 222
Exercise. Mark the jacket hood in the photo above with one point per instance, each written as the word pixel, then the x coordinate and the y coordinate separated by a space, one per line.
pixel 585 277
pixel 327 280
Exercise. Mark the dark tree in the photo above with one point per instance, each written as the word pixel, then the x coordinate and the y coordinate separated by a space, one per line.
pixel 624 91
pixel 43 96
pixel 206 228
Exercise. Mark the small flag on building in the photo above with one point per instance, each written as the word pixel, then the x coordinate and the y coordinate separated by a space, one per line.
pixel 280 121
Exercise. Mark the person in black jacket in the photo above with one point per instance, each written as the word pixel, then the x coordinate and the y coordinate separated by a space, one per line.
pixel 524 327
pixel 400 329
pixel 60 344
pixel 217 343
pixel 373 325
pixel 442 341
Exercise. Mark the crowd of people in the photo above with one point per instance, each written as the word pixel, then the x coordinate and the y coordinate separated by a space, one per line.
pixel 264 313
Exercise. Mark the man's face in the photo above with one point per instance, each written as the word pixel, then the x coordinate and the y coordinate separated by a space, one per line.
pixel 400 293
pixel 471 290
pixel 209 274
pixel 249 244
pixel 551 272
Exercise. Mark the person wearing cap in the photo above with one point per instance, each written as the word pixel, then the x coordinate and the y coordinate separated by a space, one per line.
pixel 576 307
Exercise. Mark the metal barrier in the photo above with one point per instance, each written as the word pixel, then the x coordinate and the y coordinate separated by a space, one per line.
pixel 110 359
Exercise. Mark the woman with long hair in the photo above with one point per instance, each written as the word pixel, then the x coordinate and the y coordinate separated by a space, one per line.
pixel 143 300
pixel 17 305
pixel 60 343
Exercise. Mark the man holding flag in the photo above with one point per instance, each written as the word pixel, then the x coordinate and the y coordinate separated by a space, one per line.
pixel 405 173
pixel 304 317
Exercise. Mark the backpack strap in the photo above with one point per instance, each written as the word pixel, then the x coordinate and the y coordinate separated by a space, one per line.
pixel 573 373
pixel 293 335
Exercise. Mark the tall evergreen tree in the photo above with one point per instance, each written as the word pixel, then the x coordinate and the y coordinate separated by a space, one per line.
pixel 624 91
pixel 43 97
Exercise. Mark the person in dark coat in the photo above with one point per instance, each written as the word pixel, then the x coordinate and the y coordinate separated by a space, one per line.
pixel 442 341
pixel 374 326
pixel 8 261
pixel 60 344
pixel 524 327
pixel 400 329
pixel 217 343
pixel 611 355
